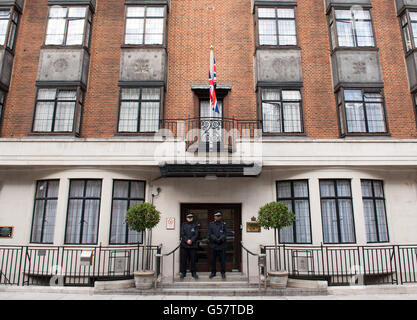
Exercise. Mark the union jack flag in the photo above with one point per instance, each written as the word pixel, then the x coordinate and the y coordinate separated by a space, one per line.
pixel 213 83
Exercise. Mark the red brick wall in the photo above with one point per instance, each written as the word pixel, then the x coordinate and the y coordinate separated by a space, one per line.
pixel 192 27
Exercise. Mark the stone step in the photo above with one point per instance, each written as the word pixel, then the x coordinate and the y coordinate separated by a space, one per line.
pixel 210 284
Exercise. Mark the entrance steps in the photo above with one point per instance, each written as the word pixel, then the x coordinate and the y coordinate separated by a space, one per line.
pixel 235 284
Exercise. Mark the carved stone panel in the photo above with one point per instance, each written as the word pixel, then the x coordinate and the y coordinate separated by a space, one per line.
pixel 280 66
pixel 143 65
pixel 64 65
pixel 356 67
pixel 402 4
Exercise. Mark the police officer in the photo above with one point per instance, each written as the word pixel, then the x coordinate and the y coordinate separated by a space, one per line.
pixel 217 238
pixel 189 235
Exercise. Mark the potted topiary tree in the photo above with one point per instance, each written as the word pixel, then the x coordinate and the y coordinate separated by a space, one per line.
pixel 276 215
pixel 142 217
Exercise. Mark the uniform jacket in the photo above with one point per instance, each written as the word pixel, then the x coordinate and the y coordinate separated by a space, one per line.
pixel 189 231
pixel 217 234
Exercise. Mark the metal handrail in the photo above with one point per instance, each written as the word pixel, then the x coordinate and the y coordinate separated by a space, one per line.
pixel 161 256
pixel 261 265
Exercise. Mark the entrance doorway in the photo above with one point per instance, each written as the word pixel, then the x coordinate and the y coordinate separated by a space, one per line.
pixel 203 215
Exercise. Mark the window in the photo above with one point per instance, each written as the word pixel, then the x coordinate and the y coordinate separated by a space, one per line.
pixel 281 111
pixel 68 26
pixel 276 27
pixel 409 29
pixel 8 26
pixel 351 28
pixel 374 211
pixel 56 110
pixel 363 111
pixel 125 195
pixel 139 110
pixel 2 100
pixel 44 212
pixel 145 25
pixel 83 212
pixel 337 211
pixel 295 195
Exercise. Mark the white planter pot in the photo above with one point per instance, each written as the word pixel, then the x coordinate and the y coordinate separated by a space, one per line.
pixel 144 279
pixel 278 279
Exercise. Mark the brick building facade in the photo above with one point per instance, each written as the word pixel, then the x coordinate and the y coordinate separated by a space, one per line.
pixel 330 85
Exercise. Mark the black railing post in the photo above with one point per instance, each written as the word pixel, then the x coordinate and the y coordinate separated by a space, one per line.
pixel 399 264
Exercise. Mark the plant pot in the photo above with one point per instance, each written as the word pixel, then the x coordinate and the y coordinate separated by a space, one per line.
pixel 278 279
pixel 144 279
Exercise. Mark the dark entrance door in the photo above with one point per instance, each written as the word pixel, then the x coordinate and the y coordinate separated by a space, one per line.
pixel 203 215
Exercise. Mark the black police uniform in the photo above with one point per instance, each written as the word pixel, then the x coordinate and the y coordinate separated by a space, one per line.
pixel 189 231
pixel 217 237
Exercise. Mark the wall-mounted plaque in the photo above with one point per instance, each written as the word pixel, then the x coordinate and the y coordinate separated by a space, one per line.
pixel 6 232
pixel 170 223
pixel 253 227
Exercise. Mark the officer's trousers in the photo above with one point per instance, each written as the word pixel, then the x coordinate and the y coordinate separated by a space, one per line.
pixel 221 253
pixel 185 255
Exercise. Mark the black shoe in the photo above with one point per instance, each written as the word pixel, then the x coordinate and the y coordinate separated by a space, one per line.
pixel 195 276
pixel 212 275
pixel 223 276
pixel 182 276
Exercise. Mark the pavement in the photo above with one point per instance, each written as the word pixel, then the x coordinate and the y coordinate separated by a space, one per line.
pixel 386 292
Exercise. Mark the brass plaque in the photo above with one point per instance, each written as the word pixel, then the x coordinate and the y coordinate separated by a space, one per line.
pixel 252 227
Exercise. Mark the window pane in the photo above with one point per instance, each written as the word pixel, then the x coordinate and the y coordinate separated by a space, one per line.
pixel 284 189
pixel 353 95
pixel 300 189
pixel 149 117
pixel 64 118
pixel 77 189
pixel 76 12
pixel 58 12
pixel 155 12
pixel 130 94
pixel 118 224
pixel 267 32
pixel 286 13
pixel 56 31
pixel 74 221
pixel 43 117
pixel 135 12
pixel 151 94
pixel 292 117
pixel 271 117
pixel 327 189
pixel 154 32
pixel 382 222
pixel 370 223
pixel 49 224
pixel 75 32
pixel 287 234
pixel 53 187
pixel 345 34
pixel 271 95
pixel 91 213
pixel 330 233
pixel 266 13
pixel 286 32
pixel 364 33
pixel 93 189
pixel 121 189
pixel 41 188
pixel 347 234
pixel 367 189
pixel 137 190
pixel 302 221
pixel 343 14
pixel 67 95
pixel 379 192
pixel 375 115
pixel 46 94
pixel 355 117
pixel 37 221
pixel 362 14
pixel 293 95
pixel 129 112
pixel 134 31
pixel 3 31
pixel 343 188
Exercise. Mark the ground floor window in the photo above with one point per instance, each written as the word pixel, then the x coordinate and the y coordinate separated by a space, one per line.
pixel 44 212
pixel 337 211
pixel 83 212
pixel 374 211
pixel 295 195
pixel 126 193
